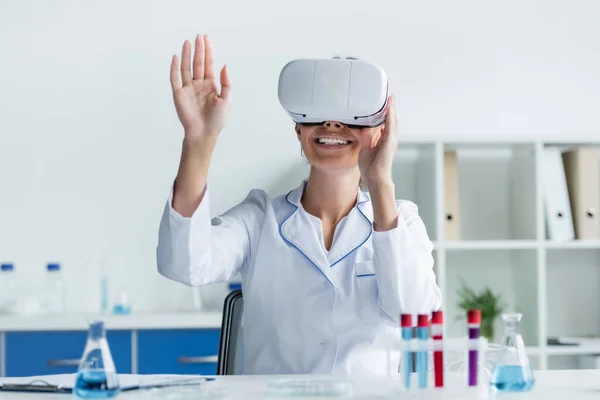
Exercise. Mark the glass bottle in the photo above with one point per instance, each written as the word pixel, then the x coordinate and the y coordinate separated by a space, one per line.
pixel 512 371
pixel 53 294
pixel 9 290
pixel 96 376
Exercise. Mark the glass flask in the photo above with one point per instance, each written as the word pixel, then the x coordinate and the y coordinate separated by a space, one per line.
pixel 96 376
pixel 512 371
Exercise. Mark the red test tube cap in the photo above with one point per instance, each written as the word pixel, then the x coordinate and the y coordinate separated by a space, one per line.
pixel 437 317
pixel 474 316
pixel 423 321
pixel 406 320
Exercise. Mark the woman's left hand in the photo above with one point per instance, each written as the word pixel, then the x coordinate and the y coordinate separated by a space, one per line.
pixel 378 147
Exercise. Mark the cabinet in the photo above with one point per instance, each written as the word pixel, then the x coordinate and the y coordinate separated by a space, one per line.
pixel 58 352
pixel 178 351
pixel 148 351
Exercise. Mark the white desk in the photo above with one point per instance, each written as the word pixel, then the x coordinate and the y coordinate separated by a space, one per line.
pixel 550 385
pixel 134 321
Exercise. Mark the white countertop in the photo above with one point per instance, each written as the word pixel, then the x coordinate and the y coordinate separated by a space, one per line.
pixel 134 321
pixel 549 385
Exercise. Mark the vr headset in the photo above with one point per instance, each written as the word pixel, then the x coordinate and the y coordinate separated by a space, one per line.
pixel 353 92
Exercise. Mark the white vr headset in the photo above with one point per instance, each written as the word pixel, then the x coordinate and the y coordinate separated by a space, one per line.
pixel 353 92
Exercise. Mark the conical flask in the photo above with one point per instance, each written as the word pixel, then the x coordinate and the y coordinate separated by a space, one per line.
pixel 96 376
pixel 512 371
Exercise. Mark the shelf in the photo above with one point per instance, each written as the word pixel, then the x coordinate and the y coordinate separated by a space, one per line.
pixel 413 172
pixel 488 244
pixel 572 141
pixel 515 245
pixel 533 350
pixel 573 350
pixel 574 244
pixel 498 240
pixel 493 140
pixel 491 191
pixel 509 273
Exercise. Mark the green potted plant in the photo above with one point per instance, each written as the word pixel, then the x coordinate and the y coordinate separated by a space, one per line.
pixel 490 304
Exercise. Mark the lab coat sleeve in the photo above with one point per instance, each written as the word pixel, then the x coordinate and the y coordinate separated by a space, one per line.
pixel 199 250
pixel 403 265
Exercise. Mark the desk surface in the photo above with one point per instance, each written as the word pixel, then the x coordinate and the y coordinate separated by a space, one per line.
pixel 550 385
pixel 135 321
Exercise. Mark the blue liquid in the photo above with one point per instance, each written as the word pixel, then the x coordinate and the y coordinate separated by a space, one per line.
pixel 407 358
pixel 422 369
pixel 121 309
pixel 512 378
pixel 93 385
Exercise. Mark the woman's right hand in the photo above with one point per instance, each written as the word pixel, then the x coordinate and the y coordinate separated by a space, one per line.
pixel 201 107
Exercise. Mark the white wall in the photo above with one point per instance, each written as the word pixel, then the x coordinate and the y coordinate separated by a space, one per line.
pixel 89 140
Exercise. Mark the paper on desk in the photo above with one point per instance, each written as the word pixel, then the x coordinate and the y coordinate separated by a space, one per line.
pixel 125 380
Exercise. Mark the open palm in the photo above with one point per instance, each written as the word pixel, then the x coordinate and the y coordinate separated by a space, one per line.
pixel 201 107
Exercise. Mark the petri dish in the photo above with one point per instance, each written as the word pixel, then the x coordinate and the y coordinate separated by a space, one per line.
pixel 311 388
pixel 188 393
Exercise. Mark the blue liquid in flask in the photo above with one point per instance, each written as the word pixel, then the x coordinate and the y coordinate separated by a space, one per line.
pixel 512 378
pixel 93 385
pixel 512 371
pixel 96 376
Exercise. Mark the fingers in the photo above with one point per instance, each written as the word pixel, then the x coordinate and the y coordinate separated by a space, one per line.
pixel 202 65
pixel 209 72
pixel 391 120
pixel 225 84
pixel 367 138
pixel 186 75
pixel 375 138
pixel 175 82
pixel 199 58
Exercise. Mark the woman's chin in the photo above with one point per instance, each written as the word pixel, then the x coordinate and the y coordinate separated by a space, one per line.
pixel 334 163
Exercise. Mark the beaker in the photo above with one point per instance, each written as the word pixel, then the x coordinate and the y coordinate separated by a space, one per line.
pixel 512 371
pixel 96 376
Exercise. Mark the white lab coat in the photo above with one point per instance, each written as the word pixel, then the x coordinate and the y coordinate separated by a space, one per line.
pixel 305 310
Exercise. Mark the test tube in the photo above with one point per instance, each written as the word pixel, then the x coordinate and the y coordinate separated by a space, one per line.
pixel 437 320
pixel 474 323
pixel 423 336
pixel 407 334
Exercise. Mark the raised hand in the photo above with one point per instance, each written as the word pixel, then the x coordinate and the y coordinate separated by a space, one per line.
pixel 378 147
pixel 202 107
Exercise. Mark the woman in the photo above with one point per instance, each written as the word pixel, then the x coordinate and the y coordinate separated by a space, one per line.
pixel 326 269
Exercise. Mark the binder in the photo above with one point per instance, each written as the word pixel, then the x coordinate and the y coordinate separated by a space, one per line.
pixel 451 197
pixel 583 183
pixel 559 222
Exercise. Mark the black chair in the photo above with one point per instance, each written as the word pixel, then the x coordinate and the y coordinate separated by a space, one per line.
pixel 231 347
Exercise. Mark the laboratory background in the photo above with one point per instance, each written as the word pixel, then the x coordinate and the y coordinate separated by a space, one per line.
pixel 499 141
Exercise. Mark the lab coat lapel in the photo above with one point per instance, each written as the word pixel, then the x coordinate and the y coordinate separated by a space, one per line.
pixel 298 231
pixel 356 231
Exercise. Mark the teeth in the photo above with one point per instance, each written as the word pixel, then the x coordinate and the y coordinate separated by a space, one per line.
pixel 332 141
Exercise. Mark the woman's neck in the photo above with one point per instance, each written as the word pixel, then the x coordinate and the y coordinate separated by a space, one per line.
pixel 330 196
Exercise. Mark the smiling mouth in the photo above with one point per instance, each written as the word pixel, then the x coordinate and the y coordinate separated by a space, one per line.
pixel 332 141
